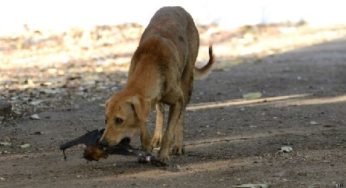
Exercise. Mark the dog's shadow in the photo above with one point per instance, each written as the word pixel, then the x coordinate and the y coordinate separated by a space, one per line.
pixel 117 165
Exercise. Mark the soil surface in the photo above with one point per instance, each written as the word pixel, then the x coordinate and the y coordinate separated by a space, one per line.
pixel 229 140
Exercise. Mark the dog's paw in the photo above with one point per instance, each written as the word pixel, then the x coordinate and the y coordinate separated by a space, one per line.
pixel 156 141
pixel 178 150
pixel 147 148
pixel 164 157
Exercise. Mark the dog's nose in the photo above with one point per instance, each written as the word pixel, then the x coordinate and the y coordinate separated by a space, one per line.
pixel 103 143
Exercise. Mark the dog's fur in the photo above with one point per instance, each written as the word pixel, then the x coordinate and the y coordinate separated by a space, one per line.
pixel 161 72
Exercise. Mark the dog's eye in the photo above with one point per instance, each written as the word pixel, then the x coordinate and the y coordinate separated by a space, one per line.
pixel 118 121
pixel 105 121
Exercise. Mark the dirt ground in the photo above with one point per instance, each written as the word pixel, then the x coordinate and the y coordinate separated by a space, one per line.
pixel 229 140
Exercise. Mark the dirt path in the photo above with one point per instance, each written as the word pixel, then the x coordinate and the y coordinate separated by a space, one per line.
pixel 229 140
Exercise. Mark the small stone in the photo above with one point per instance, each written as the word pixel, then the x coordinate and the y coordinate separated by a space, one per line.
pixel 313 123
pixel 25 146
pixel 5 144
pixel 286 149
pixel 35 117
pixel 36 102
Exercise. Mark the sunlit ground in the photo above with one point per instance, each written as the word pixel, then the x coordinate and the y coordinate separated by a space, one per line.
pixel 278 101
pixel 43 56
pixel 113 45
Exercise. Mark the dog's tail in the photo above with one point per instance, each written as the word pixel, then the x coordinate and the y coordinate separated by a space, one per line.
pixel 202 72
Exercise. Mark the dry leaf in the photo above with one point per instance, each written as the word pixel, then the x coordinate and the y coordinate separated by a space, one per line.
pixel 252 95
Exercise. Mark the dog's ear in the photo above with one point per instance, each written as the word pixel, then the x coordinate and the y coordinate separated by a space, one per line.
pixel 106 103
pixel 140 106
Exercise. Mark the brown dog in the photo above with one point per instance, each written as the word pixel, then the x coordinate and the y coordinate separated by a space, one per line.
pixel 161 72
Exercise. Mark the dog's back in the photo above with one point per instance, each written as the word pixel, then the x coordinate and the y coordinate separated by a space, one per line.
pixel 177 26
pixel 169 43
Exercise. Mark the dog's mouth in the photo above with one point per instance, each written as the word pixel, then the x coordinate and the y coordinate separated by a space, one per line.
pixel 122 148
pixel 97 151
pixel 125 141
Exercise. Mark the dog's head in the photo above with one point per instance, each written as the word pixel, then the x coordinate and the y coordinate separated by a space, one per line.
pixel 124 114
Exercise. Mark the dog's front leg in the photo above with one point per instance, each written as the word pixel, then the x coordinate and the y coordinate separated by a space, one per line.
pixel 156 140
pixel 168 138
pixel 145 137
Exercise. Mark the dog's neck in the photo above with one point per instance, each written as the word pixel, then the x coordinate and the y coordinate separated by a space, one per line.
pixel 144 83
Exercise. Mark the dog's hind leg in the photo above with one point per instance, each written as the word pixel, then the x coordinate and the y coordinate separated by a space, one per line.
pixel 157 137
pixel 178 148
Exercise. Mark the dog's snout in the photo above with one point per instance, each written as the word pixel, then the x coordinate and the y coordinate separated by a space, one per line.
pixel 103 143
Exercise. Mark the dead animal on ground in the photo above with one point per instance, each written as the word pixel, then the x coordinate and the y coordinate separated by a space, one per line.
pixel 94 151
pixel 161 73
